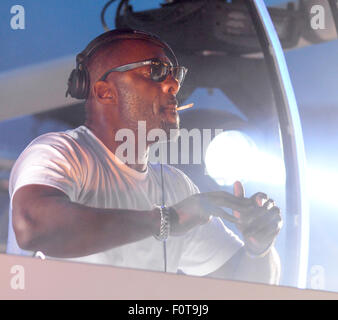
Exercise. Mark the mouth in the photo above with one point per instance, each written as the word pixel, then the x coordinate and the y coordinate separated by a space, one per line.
pixel 169 113
pixel 170 108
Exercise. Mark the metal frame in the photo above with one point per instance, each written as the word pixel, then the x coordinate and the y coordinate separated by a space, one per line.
pixel 297 211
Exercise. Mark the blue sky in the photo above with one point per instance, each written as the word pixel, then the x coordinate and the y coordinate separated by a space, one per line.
pixel 53 29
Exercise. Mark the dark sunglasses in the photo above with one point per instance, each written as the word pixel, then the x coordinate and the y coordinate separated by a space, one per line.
pixel 159 70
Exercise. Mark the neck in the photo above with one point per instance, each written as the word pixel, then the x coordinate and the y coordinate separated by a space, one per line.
pixel 108 138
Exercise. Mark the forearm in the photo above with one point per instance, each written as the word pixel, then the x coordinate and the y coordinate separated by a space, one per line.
pixel 66 229
pixel 242 267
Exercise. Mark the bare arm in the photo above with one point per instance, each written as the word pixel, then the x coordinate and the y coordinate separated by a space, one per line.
pixel 44 219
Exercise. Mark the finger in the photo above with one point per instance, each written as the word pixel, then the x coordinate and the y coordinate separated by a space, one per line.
pixel 264 224
pixel 261 217
pixel 260 198
pixel 238 189
pixel 258 214
pixel 262 211
pixel 219 212
pixel 239 193
pixel 269 204
pixel 225 199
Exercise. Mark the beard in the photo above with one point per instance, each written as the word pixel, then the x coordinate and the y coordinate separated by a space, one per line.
pixel 171 129
pixel 133 109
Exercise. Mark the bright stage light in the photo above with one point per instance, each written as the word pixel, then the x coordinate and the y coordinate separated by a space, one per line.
pixel 232 156
pixel 323 185
pixel 227 157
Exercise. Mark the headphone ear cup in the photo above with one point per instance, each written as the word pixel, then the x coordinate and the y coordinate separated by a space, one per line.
pixel 78 84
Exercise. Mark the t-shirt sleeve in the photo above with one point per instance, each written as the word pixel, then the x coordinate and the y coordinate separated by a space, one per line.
pixel 49 160
pixel 208 247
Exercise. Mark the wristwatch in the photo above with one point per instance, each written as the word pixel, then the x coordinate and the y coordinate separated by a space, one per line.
pixel 168 218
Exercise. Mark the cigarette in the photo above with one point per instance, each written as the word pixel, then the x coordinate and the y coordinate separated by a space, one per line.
pixel 187 106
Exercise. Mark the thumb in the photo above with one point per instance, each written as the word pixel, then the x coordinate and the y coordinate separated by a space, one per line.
pixel 238 192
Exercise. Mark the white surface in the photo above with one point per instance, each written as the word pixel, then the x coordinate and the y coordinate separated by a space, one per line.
pixel 64 280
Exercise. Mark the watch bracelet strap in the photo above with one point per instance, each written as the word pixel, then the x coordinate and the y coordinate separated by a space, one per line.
pixel 168 218
pixel 165 224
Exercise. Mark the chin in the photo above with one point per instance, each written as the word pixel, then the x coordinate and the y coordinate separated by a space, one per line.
pixel 171 129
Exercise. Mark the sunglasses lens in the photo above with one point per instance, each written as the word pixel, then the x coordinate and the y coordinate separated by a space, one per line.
pixel 179 74
pixel 159 71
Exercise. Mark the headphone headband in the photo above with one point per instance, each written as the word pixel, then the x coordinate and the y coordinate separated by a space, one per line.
pixel 123 34
pixel 79 80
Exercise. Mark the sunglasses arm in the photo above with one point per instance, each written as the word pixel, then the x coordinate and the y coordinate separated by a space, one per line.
pixel 126 67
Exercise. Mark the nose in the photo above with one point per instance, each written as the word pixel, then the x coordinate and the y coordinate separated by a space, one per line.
pixel 170 85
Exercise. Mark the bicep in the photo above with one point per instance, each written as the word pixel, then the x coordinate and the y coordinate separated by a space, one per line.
pixel 30 196
pixel 32 206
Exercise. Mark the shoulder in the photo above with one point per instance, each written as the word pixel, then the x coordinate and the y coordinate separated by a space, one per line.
pixel 67 139
pixel 64 144
pixel 52 150
pixel 52 159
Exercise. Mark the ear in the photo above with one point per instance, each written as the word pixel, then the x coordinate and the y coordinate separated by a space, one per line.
pixel 105 92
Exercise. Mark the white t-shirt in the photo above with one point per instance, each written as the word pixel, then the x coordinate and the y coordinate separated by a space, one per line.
pixel 80 165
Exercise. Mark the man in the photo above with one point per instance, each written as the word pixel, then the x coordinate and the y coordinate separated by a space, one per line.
pixel 72 197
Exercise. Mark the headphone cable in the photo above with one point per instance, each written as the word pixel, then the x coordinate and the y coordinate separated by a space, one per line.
pixel 103 13
pixel 163 204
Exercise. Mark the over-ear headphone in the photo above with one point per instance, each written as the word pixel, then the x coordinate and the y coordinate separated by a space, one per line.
pixel 79 80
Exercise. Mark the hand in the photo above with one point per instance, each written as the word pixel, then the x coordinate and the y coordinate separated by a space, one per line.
pixel 190 212
pixel 198 209
pixel 259 224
